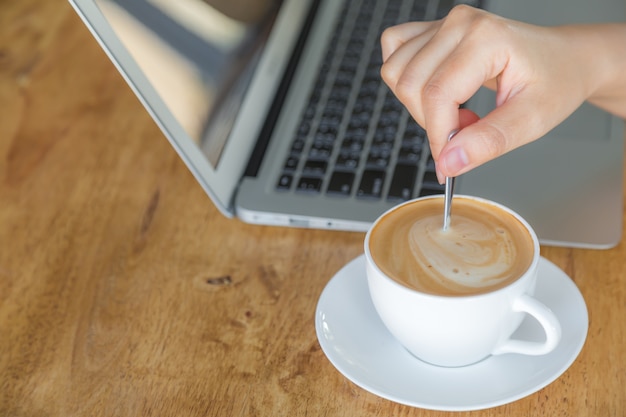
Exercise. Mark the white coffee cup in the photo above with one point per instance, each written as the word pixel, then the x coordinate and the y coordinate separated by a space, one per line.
pixel 460 330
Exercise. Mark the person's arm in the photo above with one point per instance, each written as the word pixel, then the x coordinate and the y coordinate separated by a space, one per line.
pixel 607 45
pixel 540 74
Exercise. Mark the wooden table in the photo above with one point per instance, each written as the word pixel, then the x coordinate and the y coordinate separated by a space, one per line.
pixel 123 291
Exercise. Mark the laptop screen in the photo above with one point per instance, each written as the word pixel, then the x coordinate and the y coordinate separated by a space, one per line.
pixel 199 56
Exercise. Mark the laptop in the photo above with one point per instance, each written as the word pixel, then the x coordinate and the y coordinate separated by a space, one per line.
pixel 278 110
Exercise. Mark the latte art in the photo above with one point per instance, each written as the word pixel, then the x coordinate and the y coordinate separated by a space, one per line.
pixel 484 248
pixel 469 253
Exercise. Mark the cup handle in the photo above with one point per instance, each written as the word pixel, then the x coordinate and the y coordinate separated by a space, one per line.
pixel 546 318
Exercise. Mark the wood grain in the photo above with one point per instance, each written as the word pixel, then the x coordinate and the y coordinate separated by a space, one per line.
pixel 123 291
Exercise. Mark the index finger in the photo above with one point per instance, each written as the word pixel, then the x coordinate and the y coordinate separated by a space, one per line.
pixel 394 37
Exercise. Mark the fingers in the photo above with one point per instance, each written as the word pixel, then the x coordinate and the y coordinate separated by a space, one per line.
pixel 456 156
pixel 433 68
pixel 507 127
pixel 394 37
pixel 412 74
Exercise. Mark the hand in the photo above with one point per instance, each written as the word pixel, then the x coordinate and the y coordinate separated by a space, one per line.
pixel 540 76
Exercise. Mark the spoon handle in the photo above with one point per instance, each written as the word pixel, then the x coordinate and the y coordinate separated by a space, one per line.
pixel 449 191
pixel 447 203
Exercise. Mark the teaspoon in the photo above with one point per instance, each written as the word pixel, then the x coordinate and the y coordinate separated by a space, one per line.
pixel 449 190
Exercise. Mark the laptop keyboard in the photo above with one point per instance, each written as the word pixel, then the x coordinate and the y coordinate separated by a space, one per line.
pixel 355 139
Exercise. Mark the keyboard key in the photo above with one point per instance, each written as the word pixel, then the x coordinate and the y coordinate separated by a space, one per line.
pixel 284 182
pixel 417 141
pixel 388 133
pixel 378 157
pixel 320 151
pixel 304 128
pixel 329 124
pixel 371 185
pixel 389 117
pixel 359 120
pixel 309 185
pixel 291 163
pixel 322 147
pixel 348 160
pixel 315 168
pixel 297 146
pixel 383 140
pixel 402 183
pixel 338 103
pixel 339 93
pixel 409 155
pixel 353 144
pixel 341 183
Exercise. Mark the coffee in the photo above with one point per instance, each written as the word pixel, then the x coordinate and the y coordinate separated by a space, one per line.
pixel 484 249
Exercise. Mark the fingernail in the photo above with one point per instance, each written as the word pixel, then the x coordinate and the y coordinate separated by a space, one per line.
pixel 455 160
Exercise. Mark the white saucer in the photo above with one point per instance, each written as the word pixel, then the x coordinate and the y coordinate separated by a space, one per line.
pixel 360 347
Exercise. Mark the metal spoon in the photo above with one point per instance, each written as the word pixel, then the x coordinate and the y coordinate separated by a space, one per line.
pixel 449 191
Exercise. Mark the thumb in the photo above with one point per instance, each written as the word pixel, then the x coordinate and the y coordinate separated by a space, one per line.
pixel 466 118
pixel 481 140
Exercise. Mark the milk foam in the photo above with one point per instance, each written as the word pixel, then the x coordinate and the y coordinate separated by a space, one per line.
pixel 470 253
pixel 485 247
